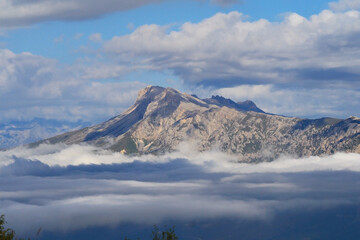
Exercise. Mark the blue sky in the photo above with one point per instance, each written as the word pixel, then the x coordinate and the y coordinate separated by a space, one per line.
pixel 84 60
pixel 61 40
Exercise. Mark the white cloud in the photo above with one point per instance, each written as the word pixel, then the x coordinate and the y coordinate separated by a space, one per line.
pixel 336 101
pixel 336 162
pixel 110 210
pixel 215 161
pixel 23 70
pixel 34 86
pixel 212 161
pixel 342 5
pixel 312 63
pixel 227 50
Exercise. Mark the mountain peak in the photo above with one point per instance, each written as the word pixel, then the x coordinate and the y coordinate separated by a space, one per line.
pixel 170 96
pixel 354 118
pixel 241 106
pixel 249 106
pixel 149 92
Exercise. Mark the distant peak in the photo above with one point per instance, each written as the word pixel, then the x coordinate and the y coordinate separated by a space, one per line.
pixel 217 97
pixel 151 88
pixel 353 118
pixel 250 106
pixel 248 103
pixel 172 90
pixel 149 92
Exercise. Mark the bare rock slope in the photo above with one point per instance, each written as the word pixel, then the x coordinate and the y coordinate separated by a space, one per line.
pixel 161 118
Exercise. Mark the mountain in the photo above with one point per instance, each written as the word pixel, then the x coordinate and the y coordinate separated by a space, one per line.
pixel 161 118
pixel 224 102
pixel 17 132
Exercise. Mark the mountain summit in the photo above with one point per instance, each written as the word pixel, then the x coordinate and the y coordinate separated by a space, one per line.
pixel 161 118
pixel 242 106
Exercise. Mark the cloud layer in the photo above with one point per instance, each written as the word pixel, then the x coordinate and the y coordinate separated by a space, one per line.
pixel 333 101
pixel 311 62
pixel 345 5
pixel 67 188
pixel 304 67
pixel 35 86
pixel 24 13
pixel 228 50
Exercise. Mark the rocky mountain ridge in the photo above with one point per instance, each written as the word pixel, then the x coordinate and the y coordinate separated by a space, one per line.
pixel 161 118
pixel 16 132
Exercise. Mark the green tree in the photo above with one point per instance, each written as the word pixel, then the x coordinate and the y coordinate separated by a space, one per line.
pixel 5 233
pixel 168 234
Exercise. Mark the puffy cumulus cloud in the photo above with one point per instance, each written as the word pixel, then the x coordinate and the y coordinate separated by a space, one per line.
pixel 342 5
pixel 65 188
pixel 227 50
pixel 14 66
pixel 23 13
pixel 336 101
pixel 35 86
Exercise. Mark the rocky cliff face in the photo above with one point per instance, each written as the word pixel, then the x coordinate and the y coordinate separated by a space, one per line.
pixel 161 118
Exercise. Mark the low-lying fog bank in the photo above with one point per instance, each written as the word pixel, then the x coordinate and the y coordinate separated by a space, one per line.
pixel 80 190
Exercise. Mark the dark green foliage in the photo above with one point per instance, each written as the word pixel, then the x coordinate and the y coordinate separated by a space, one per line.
pixel 5 233
pixel 168 234
pixel 8 233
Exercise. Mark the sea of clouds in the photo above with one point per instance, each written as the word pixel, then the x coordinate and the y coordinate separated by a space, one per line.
pixel 64 188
